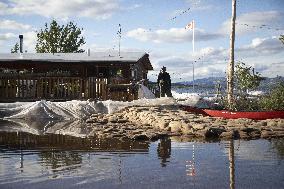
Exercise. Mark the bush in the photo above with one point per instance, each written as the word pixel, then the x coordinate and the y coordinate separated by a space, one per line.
pixel 241 103
pixel 274 100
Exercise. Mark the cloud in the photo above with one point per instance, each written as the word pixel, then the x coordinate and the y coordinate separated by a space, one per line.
pixel 266 18
pixel 261 53
pixel 30 39
pixel 172 35
pixel 98 9
pixel 198 5
pixel 179 65
pixel 13 25
pixel 6 36
pixel 180 68
pixel 132 7
pixel 262 47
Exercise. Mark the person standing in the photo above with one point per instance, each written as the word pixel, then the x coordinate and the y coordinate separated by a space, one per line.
pixel 164 82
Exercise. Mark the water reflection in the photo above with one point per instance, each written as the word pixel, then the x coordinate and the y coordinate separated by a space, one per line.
pixel 42 126
pixel 60 161
pixel 62 154
pixel 164 151
pixel 87 162
pixel 190 164
pixel 232 164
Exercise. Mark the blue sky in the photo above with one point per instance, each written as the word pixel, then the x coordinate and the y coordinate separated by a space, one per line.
pixel 148 26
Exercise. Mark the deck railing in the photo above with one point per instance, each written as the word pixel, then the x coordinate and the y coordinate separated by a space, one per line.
pixel 29 88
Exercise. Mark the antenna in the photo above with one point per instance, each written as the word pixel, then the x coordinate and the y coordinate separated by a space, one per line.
pixel 119 38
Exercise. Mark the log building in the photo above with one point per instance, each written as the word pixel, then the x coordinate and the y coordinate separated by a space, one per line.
pixel 69 76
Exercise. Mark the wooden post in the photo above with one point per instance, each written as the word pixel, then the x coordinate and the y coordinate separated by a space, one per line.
pixel 230 72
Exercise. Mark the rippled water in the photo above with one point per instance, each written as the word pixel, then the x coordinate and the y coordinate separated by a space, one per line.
pixel 56 161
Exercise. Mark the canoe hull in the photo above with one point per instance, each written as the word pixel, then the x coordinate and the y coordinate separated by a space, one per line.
pixel 236 115
pixel 249 115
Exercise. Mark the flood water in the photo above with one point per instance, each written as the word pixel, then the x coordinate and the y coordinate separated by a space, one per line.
pixel 57 161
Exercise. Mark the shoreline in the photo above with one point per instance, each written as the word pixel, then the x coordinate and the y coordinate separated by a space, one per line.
pixel 156 122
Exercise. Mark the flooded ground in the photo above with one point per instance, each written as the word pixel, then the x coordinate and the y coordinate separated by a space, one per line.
pixel 57 161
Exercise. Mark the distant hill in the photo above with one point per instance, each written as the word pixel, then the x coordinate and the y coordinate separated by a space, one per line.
pixel 210 81
pixel 265 85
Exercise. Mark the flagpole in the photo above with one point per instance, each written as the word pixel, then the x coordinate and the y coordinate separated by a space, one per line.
pixel 193 26
pixel 119 38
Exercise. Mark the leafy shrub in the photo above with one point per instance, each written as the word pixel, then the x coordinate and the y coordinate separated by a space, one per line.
pixel 274 100
pixel 246 78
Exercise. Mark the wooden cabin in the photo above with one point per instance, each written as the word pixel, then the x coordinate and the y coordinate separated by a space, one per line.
pixel 69 76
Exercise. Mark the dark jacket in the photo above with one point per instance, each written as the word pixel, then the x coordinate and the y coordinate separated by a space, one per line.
pixel 164 78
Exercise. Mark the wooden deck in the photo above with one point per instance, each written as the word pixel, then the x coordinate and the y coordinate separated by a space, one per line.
pixel 31 88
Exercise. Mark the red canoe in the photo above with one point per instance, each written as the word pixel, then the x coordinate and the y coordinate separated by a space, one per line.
pixel 236 115
pixel 250 115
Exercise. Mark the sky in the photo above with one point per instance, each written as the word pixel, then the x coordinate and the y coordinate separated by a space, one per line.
pixel 157 27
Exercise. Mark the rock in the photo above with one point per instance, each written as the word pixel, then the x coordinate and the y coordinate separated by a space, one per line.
pixel 280 123
pixel 244 121
pixel 187 129
pixel 137 131
pixel 279 133
pixel 140 137
pixel 260 123
pixel 244 135
pixel 110 130
pixel 175 126
pixel 91 120
pixel 102 121
pixel 214 132
pixel 228 134
pixel 276 128
pixel 248 129
pixel 271 123
pixel 113 119
pixel 200 133
pixel 117 135
pixel 199 126
pixel 255 134
pixel 267 134
pixel 162 125
pixel 271 134
pixel 121 120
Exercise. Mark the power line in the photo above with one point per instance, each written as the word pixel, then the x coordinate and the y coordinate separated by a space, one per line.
pixel 263 26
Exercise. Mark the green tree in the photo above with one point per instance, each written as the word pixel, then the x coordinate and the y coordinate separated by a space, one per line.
pixel 281 38
pixel 246 78
pixel 60 39
pixel 16 48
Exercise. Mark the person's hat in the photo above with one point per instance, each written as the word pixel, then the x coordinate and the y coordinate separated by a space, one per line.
pixel 164 68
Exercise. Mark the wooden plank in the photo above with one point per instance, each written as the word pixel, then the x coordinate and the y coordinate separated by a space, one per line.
pixel 6 88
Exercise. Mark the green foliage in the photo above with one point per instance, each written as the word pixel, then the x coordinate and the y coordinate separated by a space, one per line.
pixel 60 39
pixel 246 78
pixel 274 100
pixel 16 48
pixel 281 38
pixel 241 103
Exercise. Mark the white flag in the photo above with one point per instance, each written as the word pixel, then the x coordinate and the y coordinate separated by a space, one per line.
pixel 190 25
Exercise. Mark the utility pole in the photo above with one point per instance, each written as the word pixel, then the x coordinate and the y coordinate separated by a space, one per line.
pixel 193 27
pixel 119 38
pixel 230 73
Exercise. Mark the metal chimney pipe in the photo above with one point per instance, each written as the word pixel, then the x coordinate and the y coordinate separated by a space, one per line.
pixel 21 43
pixel 89 52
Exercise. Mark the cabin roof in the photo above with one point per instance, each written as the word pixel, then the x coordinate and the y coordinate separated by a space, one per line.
pixel 74 57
